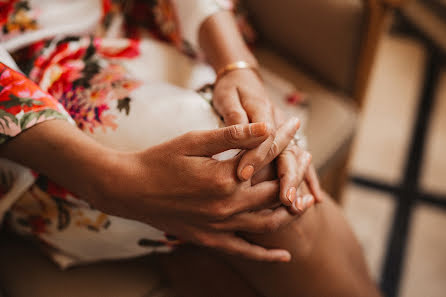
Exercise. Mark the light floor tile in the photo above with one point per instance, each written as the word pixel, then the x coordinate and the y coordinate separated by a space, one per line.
pixel 370 215
pixel 434 171
pixel 425 272
pixel 380 147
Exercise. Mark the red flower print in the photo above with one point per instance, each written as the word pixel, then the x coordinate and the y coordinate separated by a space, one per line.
pixel 22 104
pixel 106 6
pixel 86 77
pixel 117 48
pixel 56 190
pixel 38 225
pixel 6 8
pixel 18 93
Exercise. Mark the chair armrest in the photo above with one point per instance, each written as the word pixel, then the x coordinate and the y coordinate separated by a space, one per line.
pixel 324 36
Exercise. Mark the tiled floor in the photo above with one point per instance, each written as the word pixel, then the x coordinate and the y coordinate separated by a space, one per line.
pixel 426 266
pixel 390 106
pixel 380 152
pixel 370 213
pixel 434 175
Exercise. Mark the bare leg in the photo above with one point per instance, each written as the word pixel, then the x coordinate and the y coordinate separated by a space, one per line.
pixel 327 261
pixel 198 272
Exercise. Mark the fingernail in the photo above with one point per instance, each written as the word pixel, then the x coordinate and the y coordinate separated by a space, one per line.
pixel 247 172
pixel 286 257
pixel 258 129
pixel 282 256
pixel 307 157
pixel 308 200
pixel 296 122
pixel 291 194
pixel 298 204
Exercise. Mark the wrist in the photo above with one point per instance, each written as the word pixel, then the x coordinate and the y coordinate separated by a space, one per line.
pixel 237 66
pixel 100 175
pixel 222 60
pixel 122 173
pixel 222 42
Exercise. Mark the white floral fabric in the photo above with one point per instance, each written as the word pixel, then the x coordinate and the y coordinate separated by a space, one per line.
pixel 126 93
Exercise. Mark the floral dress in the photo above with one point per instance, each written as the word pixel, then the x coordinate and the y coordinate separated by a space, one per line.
pixel 128 74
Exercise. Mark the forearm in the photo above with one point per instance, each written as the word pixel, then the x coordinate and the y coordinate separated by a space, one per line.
pixel 222 42
pixel 62 152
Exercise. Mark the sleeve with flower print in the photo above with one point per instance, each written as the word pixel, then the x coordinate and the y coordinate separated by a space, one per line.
pixel 23 104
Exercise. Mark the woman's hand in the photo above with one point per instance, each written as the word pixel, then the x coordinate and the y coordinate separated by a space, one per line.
pixel 294 166
pixel 240 97
pixel 175 186
pixel 179 188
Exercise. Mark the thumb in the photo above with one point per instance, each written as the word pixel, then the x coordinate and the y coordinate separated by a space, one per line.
pixel 211 142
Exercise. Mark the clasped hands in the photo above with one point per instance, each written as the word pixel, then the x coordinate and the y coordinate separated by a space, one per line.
pixel 179 188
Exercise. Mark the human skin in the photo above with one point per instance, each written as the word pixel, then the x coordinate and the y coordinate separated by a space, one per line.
pixel 240 97
pixel 175 186
pixel 326 258
pixel 326 261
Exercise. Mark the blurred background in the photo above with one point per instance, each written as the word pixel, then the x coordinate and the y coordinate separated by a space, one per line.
pixel 395 197
pixel 375 75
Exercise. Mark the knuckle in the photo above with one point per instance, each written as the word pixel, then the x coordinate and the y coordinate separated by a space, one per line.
pixel 233 115
pixel 192 137
pixel 233 134
pixel 258 99
pixel 206 240
pixel 257 158
pixel 295 151
pixel 267 105
pixel 305 157
pixel 274 150
pixel 288 155
pixel 217 226
pixel 290 177
pixel 273 133
pixel 225 185
pixel 272 225
pixel 221 210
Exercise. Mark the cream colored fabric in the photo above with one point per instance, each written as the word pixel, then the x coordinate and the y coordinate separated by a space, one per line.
pixel 323 35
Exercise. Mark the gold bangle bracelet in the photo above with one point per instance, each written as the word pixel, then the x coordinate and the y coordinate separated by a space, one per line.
pixel 236 66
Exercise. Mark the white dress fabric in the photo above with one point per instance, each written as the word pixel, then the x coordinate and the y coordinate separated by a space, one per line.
pixel 154 102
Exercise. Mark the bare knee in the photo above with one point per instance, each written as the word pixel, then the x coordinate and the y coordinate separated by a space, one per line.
pixel 299 237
